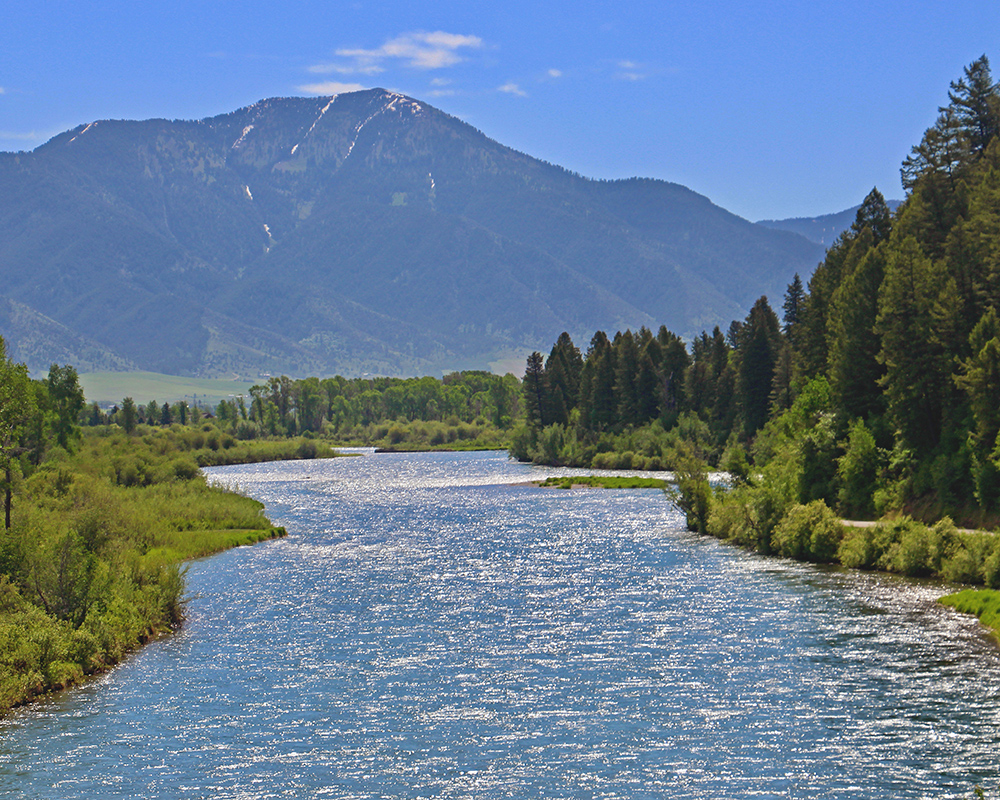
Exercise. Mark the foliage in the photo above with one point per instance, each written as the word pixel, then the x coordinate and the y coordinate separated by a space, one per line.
pixel 692 492
pixel 878 393
pixel 808 533
pixel 90 567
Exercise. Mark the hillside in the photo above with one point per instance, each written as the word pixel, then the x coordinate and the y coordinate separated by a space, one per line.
pixel 368 232
pixel 823 229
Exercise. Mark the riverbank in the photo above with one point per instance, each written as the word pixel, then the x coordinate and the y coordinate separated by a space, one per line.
pixel 981 603
pixel 601 482
pixel 92 566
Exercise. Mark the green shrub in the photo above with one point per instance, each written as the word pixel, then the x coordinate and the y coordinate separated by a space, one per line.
pixel 808 533
pixel 909 553
pixel 860 548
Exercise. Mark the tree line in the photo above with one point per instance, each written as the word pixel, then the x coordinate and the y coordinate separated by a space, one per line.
pixel 338 407
pixel 893 345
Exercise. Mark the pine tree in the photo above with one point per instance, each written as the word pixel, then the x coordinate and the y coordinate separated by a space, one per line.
pixel 129 415
pixel 980 380
pixel 793 305
pixel 562 371
pixel 916 367
pixel 647 384
pixel 597 385
pixel 873 215
pixel 854 344
pixel 758 356
pixel 975 100
pixel 626 372
pixel 674 363
pixel 534 389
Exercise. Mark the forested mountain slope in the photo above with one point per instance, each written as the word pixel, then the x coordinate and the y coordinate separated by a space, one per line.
pixel 368 232
pixel 825 228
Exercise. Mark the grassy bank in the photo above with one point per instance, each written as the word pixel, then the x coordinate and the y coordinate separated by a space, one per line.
pixel 982 603
pixel 91 567
pixel 602 482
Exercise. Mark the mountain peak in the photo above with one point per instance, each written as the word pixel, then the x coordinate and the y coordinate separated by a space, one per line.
pixel 359 232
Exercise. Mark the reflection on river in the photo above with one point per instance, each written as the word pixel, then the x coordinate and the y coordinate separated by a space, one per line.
pixel 430 629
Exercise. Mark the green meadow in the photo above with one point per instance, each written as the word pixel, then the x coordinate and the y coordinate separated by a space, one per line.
pixel 111 387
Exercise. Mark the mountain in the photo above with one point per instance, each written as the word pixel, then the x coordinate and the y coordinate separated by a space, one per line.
pixel 823 229
pixel 367 232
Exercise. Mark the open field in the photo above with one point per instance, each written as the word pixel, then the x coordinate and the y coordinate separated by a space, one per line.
pixel 111 387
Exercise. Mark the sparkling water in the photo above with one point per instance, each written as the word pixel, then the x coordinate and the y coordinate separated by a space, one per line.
pixel 434 627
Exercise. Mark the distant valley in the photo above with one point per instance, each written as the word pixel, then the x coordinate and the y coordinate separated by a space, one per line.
pixel 365 233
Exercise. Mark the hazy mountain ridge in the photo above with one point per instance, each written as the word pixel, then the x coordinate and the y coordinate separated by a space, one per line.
pixel 366 232
pixel 823 229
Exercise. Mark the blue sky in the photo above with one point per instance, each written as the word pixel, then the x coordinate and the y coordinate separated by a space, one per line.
pixel 771 109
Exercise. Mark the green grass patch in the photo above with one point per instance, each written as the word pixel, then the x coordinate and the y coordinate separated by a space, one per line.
pixel 983 603
pixel 177 546
pixel 602 482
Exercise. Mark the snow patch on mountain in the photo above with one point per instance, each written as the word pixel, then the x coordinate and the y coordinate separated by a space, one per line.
pixel 243 136
pixel 91 125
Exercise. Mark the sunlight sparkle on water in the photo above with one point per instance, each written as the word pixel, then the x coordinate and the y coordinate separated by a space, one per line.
pixel 429 628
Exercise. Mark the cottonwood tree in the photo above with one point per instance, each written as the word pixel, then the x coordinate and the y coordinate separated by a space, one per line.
pixel 66 401
pixel 17 408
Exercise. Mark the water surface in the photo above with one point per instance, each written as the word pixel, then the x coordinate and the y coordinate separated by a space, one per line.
pixel 429 629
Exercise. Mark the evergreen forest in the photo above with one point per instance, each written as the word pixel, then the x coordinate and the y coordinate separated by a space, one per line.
pixel 875 392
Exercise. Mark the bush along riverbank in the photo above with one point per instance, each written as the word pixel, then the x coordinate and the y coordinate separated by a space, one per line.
pixel 91 564
pixel 778 506
pixel 764 513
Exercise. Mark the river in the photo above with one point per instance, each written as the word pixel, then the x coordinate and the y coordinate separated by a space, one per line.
pixel 430 628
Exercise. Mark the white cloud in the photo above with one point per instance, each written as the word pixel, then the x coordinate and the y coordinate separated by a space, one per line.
pixel 441 82
pixel 2 90
pixel 555 73
pixel 512 88
pixel 21 137
pixel 630 71
pixel 419 49
pixel 331 87
pixel 346 69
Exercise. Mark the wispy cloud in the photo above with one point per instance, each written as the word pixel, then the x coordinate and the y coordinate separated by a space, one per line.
pixel 2 90
pixel 440 89
pixel 29 136
pixel 418 49
pixel 630 71
pixel 555 73
pixel 512 88
pixel 346 69
pixel 331 87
